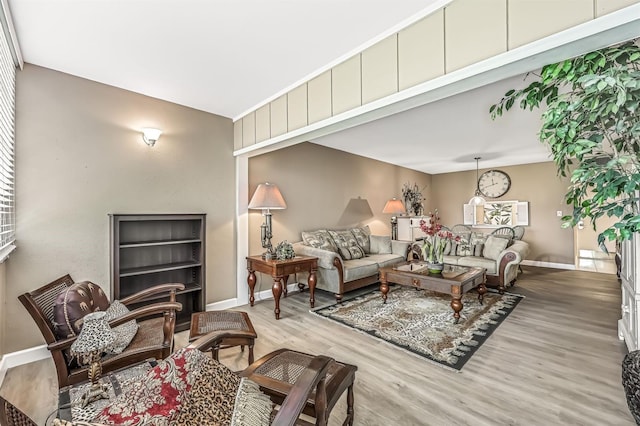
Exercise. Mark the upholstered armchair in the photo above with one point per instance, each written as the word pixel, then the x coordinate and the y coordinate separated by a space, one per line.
pixel 155 323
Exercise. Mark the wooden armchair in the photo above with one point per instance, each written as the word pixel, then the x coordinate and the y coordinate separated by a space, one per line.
pixel 310 384
pixel 154 338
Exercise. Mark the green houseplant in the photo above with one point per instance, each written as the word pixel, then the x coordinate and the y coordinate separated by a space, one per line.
pixel 592 126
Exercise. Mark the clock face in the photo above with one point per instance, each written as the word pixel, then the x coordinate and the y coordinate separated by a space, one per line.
pixel 494 183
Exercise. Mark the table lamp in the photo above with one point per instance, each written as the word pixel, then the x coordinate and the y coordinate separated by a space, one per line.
pixel 94 338
pixel 267 197
pixel 394 207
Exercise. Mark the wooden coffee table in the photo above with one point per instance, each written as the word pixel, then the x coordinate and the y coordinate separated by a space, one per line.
pixel 454 280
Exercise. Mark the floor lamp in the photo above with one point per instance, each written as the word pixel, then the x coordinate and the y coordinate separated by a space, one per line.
pixel 394 207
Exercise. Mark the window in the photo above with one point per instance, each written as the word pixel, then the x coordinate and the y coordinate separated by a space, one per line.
pixel 7 137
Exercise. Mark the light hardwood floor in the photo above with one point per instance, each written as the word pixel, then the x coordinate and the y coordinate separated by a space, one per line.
pixel 555 360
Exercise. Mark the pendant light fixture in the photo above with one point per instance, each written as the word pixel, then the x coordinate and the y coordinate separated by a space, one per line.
pixel 477 199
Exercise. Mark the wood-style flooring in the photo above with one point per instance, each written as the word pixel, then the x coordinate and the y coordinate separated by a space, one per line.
pixel 555 360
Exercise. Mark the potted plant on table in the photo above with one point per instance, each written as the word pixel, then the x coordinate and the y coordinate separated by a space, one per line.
pixel 435 242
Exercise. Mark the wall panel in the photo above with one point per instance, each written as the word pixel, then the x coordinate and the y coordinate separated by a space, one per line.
pixel 380 70
pixel 319 97
pixel 346 87
pixel 279 116
pixel 297 107
pixel 607 6
pixel 421 51
pixel 249 129
pixel 531 20
pixel 263 123
pixel 474 30
pixel 237 134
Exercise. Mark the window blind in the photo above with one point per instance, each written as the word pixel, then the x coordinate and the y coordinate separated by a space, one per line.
pixel 7 145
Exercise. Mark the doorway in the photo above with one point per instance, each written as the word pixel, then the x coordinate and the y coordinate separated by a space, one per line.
pixel 588 255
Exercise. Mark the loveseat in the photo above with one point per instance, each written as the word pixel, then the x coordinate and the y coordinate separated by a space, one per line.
pixel 501 257
pixel 349 259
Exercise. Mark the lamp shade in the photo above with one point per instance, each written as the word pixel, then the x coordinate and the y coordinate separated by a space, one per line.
pixel 267 196
pixel 394 206
pixel 95 337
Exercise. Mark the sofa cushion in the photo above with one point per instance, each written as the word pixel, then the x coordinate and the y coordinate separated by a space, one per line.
pixel 493 246
pixel 380 244
pixel 319 239
pixel 464 249
pixel 348 247
pixel 383 260
pixel 362 237
pixel 450 259
pixel 489 264
pixel 359 268
pixel 73 303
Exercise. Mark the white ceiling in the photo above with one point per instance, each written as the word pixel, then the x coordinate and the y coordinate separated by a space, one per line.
pixel 219 56
pixel 228 56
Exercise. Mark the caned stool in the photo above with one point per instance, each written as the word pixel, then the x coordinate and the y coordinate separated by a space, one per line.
pixel 206 322
pixel 276 372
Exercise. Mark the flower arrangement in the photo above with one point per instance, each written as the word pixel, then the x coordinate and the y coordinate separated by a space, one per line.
pixel 284 251
pixel 436 239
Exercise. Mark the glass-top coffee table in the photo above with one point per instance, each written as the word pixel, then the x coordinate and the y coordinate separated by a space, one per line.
pixel 454 280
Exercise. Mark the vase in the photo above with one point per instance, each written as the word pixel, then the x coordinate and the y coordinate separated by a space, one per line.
pixel 435 267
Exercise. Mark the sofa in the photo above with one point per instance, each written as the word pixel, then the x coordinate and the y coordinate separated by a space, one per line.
pixel 500 256
pixel 350 259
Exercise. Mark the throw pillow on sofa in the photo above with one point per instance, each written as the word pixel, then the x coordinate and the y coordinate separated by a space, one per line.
pixel 493 246
pixel 319 239
pixel 348 247
pixel 362 237
pixel 124 333
pixel 379 244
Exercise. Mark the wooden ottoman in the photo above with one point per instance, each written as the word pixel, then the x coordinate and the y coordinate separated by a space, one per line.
pixel 276 372
pixel 206 322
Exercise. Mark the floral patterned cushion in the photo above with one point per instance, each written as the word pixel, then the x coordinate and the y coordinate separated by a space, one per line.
pixel 188 388
pixel 319 239
pixel 362 237
pixel 73 303
pixel 348 247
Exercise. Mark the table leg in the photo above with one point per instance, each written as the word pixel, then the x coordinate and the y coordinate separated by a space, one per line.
pixel 251 280
pixel 312 287
pixel 384 289
pixel 456 305
pixel 285 279
pixel 482 289
pixel 277 291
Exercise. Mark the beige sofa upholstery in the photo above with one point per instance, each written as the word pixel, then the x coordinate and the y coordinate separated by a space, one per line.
pixel 500 257
pixel 340 275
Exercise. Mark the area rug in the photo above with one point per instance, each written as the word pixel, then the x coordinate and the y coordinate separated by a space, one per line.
pixel 422 322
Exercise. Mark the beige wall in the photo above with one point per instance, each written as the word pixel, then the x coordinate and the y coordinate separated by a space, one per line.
pixel 80 156
pixel 317 183
pixel 536 183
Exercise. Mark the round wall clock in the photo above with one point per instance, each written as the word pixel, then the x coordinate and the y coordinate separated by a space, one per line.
pixel 494 183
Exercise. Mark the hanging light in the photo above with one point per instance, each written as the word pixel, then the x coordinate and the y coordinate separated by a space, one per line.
pixel 477 199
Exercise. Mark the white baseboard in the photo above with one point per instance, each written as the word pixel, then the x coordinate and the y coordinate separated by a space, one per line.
pixel 567 266
pixel 25 356
pixel 232 303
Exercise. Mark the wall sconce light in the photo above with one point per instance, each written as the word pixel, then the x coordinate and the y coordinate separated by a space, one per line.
pixel 394 207
pixel 150 135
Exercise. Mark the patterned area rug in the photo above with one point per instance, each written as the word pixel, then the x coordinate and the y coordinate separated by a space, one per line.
pixel 422 321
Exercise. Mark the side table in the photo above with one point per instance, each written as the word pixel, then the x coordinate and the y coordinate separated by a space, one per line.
pixel 280 271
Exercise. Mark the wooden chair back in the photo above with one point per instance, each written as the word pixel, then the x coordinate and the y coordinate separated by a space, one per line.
pixel 10 415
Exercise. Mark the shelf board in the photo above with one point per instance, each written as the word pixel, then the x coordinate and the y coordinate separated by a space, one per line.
pixel 188 288
pixel 129 272
pixel 159 243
